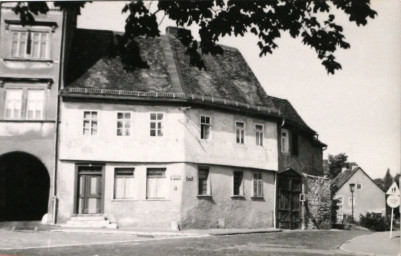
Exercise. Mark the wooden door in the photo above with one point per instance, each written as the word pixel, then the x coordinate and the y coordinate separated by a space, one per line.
pixel 90 191
pixel 289 206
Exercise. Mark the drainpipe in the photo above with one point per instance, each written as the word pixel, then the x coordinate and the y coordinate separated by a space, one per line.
pixel 275 201
pixel 56 144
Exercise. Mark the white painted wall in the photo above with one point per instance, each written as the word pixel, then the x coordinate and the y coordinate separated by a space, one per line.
pixel 180 142
pixel 369 198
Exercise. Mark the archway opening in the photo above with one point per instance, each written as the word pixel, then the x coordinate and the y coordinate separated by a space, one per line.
pixel 24 187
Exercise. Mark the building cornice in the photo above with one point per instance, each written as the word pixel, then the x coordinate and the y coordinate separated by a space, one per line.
pixel 48 81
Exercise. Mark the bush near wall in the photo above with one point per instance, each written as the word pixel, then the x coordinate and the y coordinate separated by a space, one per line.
pixel 374 221
pixel 318 202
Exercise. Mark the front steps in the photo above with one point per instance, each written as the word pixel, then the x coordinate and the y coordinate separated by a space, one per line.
pixel 90 221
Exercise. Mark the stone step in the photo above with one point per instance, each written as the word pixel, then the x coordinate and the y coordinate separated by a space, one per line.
pixel 88 218
pixel 87 224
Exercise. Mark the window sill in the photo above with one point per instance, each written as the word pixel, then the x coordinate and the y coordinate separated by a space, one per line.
pixel 123 200
pixel 204 196
pixel 157 199
pixel 29 60
pixel 258 198
pixel 238 197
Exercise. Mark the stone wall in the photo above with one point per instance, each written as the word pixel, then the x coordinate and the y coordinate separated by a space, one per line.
pixel 318 202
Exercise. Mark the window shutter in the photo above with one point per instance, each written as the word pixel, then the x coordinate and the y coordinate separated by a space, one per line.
pixel 294 144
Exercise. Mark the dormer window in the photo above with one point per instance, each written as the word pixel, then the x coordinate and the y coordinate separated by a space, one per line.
pixel 30 44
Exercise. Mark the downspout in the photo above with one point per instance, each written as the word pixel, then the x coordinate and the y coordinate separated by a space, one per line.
pixel 56 144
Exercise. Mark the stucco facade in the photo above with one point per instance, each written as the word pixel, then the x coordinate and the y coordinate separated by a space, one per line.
pixel 29 73
pixel 368 197
pixel 180 151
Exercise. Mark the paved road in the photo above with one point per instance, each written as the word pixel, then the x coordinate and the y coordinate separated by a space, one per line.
pixel 285 243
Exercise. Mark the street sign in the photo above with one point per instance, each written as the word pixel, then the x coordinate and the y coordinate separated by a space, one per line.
pixel 393 190
pixel 393 201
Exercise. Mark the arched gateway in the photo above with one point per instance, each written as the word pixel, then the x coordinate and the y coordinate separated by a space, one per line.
pixel 24 187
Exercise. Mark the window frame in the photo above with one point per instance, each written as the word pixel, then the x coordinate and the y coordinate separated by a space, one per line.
pixel 90 122
pixel 21 104
pixel 259 134
pixel 43 103
pixel 285 147
pixel 162 177
pixel 241 190
pixel 240 131
pixel 208 182
pixel 350 200
pixel 125 184
pixel 208 125
pixel 123 120
pixel 259 185
pixel 30 31
pixel 156 121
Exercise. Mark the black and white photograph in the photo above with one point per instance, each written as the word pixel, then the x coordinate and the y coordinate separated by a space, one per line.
pixel 200 127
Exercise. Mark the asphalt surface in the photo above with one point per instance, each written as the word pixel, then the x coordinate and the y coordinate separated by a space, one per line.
pixel 283 243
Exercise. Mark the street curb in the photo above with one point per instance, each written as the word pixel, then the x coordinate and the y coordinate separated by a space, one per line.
pixel 123 232
pixel 166 234
pixel 245 232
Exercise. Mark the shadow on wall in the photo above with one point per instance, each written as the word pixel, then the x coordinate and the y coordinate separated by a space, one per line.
pixel 24 187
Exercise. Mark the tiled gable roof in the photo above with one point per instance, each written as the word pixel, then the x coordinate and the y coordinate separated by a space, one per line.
pixel 344 176
pixel 93 69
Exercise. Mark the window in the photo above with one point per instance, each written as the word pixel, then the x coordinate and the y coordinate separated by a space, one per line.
pixel 156 124
pixel 284 141
pixel 30 44
pixel 259 134
pixel 240 132
pixel 156 187
pixel 123 183
pixel 350 201
pixel 90 123
pixel 35 104
pixel 238 183
pixel 257 184
pixel 13 104
pixel 203 181
pixel 123 124
pixel 205 127
pixel 359 186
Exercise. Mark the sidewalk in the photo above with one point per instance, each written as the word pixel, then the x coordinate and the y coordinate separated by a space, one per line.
pixel 378 243
pixel 53 236
pixel 183 233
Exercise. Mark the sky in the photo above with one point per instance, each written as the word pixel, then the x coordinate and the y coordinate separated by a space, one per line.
pixel 356 111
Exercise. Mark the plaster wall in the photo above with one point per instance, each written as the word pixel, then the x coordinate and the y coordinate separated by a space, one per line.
pixel 222 209
pixel 180 141
pixel 136 212
pixel 222 148
pixel 369 198
pixel 21 67
pixel 107 146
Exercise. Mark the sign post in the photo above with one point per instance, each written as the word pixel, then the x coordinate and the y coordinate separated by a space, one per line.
pixel 393 200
